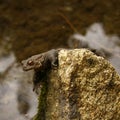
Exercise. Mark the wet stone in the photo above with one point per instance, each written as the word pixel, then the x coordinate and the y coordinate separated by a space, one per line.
pixel 82 90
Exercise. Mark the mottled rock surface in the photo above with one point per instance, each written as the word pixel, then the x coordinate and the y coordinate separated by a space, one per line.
pixel 85 87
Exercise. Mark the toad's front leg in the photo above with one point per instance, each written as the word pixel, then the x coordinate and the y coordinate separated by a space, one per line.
pixel 52 57
pixel 38 78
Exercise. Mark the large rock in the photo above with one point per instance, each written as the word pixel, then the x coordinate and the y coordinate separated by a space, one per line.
pixel 85 87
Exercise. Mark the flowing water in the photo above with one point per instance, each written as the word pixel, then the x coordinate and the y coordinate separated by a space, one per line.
pixel 32 26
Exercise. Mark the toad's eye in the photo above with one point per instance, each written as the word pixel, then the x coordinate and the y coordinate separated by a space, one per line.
pixel 30 62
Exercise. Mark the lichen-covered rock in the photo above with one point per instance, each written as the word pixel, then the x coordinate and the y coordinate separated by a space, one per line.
pixel 85 87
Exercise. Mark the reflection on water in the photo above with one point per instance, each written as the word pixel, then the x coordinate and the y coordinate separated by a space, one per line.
pixel 96 38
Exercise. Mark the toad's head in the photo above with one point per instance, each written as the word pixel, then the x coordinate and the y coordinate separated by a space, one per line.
pixel 34 62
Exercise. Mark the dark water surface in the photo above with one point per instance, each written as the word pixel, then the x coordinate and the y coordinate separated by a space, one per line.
pixel 29 27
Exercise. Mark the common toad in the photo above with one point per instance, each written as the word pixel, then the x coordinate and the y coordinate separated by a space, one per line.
pixel 41 64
